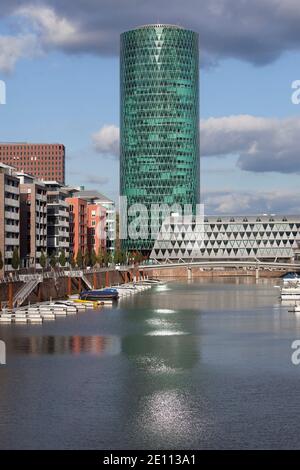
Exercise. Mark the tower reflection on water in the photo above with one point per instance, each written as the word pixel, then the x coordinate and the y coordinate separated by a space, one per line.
pixel 164 358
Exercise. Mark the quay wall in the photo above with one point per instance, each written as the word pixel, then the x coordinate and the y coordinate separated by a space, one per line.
pixel 183 272
pixel 61 287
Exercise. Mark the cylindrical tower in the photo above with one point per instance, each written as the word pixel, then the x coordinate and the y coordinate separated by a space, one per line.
pixel 159 149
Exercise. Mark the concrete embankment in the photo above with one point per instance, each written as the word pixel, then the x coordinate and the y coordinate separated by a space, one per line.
pixel 184 272
pixel 60 287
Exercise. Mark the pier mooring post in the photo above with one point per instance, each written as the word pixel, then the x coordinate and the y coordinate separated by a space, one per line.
pixel 69 285
pixel 10 295
pixel 106 278
pixel 39 293
pixel 95 281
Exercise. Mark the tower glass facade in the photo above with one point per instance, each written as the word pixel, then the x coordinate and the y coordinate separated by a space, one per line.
pixel 159 150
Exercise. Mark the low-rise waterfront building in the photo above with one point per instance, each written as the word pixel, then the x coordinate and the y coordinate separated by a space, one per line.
pixel 96 228
pixel 77 225
pixel 33 220
pixel 258 237
pixel 96 198
pixel 9 216
pixel 57 219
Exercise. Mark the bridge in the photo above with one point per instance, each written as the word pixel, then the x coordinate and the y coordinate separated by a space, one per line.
pixel 234 264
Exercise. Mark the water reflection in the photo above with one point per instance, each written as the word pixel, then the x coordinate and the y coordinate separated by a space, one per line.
pixel 209 294
pixel 165 310
pixel 95 345
pixel 164 353
pixel 164 327
pixel 211 387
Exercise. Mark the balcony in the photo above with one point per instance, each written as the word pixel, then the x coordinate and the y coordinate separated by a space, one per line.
pixel 12 228
pixel 40 197
pixel 11 189
pixel 63 213
pixel 11 241
pixel 11 215
pixel 11 202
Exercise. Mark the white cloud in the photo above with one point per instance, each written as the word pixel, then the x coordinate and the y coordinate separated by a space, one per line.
pixel 47 30
pixel 106 140
pixel 95 179
pixel 258 32
pixel 14 48
pixel 52 29
pixel 251 202
pixel 261 144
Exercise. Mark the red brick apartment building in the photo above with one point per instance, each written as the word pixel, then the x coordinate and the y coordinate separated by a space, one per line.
pixel 78 225
pixel 87 226
pixel 96 228
pixel 44 161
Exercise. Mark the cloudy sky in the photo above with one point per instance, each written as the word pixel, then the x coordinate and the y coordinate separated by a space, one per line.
pixel 59 59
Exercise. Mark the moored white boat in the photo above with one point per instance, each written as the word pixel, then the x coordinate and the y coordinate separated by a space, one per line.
pixel 21 316
pixel 294 308
pixel 291 279
pixel 48 316
pixel 32 318
pixel 6 318
pixel 290 293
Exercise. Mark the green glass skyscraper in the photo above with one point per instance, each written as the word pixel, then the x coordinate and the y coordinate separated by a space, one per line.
pixel 159 149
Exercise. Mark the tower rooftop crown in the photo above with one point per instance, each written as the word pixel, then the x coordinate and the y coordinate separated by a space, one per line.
pixel 159 25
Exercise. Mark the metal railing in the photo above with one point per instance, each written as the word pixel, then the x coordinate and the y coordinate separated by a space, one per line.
pixel 50 273
pixel 25 291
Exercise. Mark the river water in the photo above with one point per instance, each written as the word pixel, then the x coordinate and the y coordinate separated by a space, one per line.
pixel 199 365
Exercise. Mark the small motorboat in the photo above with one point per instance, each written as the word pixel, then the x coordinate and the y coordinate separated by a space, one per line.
pixel 294 308
pixel 99 294
pixel 291 278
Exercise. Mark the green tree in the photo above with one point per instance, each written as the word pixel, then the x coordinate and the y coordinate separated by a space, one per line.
pixel 124 257
pixel 137 257
pixel 15 262
pixel 93 258
pixel 53 260
pixel 117 256
pixel 72 261
pixel 1 261
pixel 107 258
pixel 62 258
pixel 43 260
pixel 79 259
pixel 100 256
pixel 86 258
